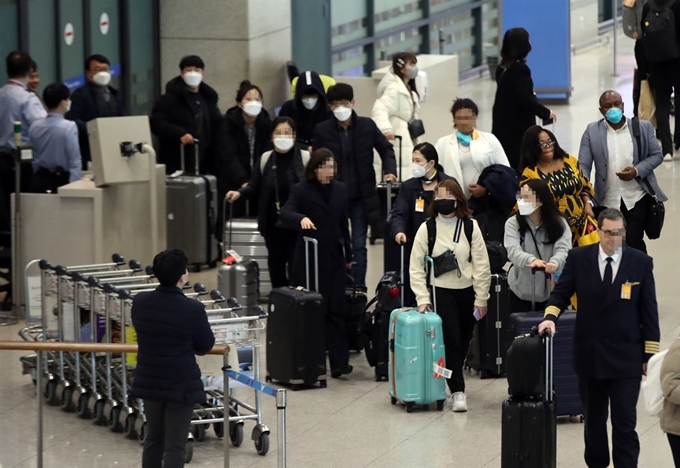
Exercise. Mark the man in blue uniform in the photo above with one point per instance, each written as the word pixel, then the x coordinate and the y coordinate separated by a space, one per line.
pixel 617 331
pixel 56 152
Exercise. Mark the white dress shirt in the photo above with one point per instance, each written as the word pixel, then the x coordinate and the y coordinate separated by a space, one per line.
pixel 620 149
pixel 17 103
pixel 470 170
pixel 602 262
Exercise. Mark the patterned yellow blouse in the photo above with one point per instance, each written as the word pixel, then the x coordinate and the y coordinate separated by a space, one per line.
pixel 566 185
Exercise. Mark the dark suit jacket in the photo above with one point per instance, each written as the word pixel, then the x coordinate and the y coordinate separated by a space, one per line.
pixel 613 336
pixel 83 109
pixel 171 328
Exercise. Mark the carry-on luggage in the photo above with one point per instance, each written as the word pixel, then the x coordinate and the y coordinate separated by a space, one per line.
pixel 417 367
pixel 568 398
pixel 240 280
pixel 387 194
pixel 191 212
pixel 296 344
pixel 355 304
pixel 489 341
pixel 529 428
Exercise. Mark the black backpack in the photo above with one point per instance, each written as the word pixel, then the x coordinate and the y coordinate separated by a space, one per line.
pixel 660 35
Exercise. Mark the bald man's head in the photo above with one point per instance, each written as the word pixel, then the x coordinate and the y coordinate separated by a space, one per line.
pixel 612 100
pixel 610 94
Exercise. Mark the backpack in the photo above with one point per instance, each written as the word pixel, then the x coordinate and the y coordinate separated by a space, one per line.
pixel 631 18
pixel 660 35
pixel 498 256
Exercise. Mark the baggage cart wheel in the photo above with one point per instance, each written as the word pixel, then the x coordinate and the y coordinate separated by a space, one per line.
pixel 323 384
pixel 51 393
pixel 198 430
pixel 262 444
pixel 113 420
pixel 409 407
pixel 82 409
pixel 67 400
pixel 393 400
pixel 189 453
pixel 142 433
pixel 219 429
pixel 129 428
pixel 236 435
pixel 98 415
pixel 440 405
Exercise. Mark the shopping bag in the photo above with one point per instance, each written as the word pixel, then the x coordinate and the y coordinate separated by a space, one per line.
pixel 589 234
pixel 647 105
pixel 651 386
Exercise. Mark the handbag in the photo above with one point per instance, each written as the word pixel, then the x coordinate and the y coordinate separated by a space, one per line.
pixel 647 106
pixel 656 214
pixel 589 234
pixel 416 128
pixel 651 386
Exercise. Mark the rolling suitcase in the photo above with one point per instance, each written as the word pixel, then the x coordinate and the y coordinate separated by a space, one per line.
pixel 529 428
pixel 355 304
pixel 387 194
pixel 239 280
pixel 489 341
pixel 296 346
pixel 191 211
pixel 416 369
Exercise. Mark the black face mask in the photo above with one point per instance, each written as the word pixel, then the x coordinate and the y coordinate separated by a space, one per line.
pixel 445 207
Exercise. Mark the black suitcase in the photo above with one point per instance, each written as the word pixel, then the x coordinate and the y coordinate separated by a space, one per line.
pixel 529 427
pixel 355 304
pixel 296 345
pixel 489 341
pixel 387 194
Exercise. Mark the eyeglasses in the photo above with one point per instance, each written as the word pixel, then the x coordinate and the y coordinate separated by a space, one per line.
pixel 614 232
pixel 546 144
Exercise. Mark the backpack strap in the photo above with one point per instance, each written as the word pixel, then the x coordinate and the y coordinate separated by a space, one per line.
pixel 304 154
pixel 468 227
pixel 263 160
pixel 431 224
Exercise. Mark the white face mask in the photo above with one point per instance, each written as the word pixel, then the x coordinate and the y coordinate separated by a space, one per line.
pixel 418 170
pixel 252 108
pixel 310 103
pixel 283 144
pixel 102 78
pixel 526 207
pixel 192 78
pixel 413 72
pixel 342 113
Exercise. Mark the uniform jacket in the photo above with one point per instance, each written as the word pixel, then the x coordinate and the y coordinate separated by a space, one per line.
pixel 173 116
pixel 306 120
pixel 670 385
pixel 83 109
pixel 515 108
pixel 171 329
pixel 594 150
pixel 366 137
pixel 613 336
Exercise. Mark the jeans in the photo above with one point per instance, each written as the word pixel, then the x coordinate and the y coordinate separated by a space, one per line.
pixel 359 223
pixel 167 429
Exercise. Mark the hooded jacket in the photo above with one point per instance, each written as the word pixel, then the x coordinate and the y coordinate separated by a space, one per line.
pixel 306 120
pixel 492 210
pixel 174 115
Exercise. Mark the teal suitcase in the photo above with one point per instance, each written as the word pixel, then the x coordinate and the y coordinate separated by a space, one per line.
pixel 416 346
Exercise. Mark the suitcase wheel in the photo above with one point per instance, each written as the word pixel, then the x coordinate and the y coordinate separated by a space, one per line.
pixel 409 407
pixel 323 384
pixel 371 240
pixel 267 379
pixel 483 375
pixel 295 387
pixel 393 400
pixel 440 405
pixel 581 418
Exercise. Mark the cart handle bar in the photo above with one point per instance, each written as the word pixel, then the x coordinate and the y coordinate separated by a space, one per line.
pixel 85 347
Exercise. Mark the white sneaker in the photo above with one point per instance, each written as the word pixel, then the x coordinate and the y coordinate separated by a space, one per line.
pixel 459 402
pixel 668 157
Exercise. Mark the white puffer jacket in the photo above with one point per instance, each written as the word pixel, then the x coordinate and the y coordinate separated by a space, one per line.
pixel 395 107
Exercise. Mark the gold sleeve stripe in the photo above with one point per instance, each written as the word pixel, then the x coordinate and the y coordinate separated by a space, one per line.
pixel 652 347
pixel 552 310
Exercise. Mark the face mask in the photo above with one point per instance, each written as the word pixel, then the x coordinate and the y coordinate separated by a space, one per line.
pixel 526 207
pixel 413 73
pixel 464 139
pixel 252 108
pixel 342 113
pixel 102 78
pixel 192 79
pixel 310 103
pixel 445 207
pixel 68 105
pixel 283 144
pixel 418 170
pixel 614 115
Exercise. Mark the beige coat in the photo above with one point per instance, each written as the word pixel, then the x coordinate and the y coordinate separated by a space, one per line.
pixel 670 385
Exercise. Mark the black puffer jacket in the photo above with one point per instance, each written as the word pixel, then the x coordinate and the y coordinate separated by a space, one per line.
pixel 307 120
pixel 493 209
pixel 365 138
pixel 174 115
pixel 171 329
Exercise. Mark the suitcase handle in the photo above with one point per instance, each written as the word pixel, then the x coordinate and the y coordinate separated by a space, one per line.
pixel 429 262
pixel 315 242
pixel 183 157
pixel 230 223
pixel 549 377
pixel 401 277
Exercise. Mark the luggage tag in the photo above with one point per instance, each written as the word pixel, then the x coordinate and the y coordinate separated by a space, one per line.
pixel 232 257
pixel 420 205
pixel 440 371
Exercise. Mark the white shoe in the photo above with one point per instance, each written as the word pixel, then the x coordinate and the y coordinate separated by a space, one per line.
pixel 668 157
pixel 459 402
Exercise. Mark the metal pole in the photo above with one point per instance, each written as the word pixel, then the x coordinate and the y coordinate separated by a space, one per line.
pixel 441 41
pixel 41 396
pixel 227 438
pixel 615 33
pixel 281 401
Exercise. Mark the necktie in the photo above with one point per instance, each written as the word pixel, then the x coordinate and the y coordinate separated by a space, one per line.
pixel 608 273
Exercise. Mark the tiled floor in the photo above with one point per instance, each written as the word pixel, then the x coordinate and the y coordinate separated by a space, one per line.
pixel 352 423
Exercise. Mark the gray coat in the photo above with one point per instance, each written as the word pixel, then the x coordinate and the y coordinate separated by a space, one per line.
pixel 522 252
pixel 594 150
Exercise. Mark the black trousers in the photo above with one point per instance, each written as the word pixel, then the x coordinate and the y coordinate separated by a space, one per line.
pixel 597 396
pixel 167 429
pixel 281 253
pixel 456 307
pixel 675 448
pixel 664 77
pixel 45 181
pixel 641 73
pixel 636 220
pixel 7 185
pixel 520 305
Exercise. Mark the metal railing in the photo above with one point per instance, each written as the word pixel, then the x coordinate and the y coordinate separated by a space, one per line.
pixel 222 350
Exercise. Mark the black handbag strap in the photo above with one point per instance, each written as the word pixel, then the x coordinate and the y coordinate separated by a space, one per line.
pixel 532 238
pixel 638 140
